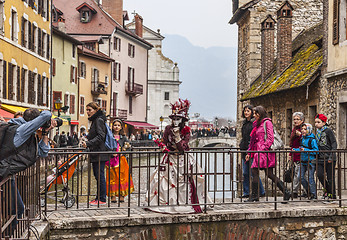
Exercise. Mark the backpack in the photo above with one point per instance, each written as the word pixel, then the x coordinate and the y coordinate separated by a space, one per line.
pixel 62 139
pixel 3 128
pixel 110 142
pixel 277 143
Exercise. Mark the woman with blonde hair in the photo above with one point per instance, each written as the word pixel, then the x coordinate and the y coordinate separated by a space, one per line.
pixel 117 168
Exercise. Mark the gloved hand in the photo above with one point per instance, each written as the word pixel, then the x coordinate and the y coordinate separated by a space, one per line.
pixel 176 132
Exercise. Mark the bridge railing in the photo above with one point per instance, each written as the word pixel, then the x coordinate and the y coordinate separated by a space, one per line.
pixel 70 181
pixel 20 203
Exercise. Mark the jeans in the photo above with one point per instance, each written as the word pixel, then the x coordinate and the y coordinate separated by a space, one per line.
pixel 246 173
pixel 102 183
pixel 327 176
pixel 20 205
pixel 311 168
pixel 296 180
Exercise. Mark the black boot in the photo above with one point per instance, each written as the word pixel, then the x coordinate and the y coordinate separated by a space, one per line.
pixel 286 192
pixel 254 195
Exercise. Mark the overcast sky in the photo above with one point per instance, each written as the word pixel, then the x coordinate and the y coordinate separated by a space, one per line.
pixel 203 22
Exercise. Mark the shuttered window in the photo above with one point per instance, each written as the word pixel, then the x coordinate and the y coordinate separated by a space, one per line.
pixel 4 83
pixel 53 66
pixel 22 85
pixel 66 100
pixel 336 9
pixel 72 104
pixel 29 35
pixel 81 105
pixel 104 105
pixel 39 41
pixel 31 88
pixel 18 95
pixel 39 90
pixel 2 20
pixel 48 53
pixel 10 81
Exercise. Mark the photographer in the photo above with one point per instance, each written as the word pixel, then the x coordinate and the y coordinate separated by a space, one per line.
pixel 21 148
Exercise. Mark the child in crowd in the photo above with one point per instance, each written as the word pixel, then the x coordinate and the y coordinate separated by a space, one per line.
pixel 308 160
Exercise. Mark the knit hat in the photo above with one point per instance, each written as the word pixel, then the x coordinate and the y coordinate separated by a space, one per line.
pixel 322 117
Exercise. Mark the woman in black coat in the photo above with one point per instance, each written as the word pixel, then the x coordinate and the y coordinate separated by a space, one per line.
pixel 96 142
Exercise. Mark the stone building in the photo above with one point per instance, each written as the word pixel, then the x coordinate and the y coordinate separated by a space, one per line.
pixel 333 83
pixel 163 78
pixel 277 78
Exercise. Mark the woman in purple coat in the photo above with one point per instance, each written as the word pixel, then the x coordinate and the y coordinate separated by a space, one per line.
pixel 263 161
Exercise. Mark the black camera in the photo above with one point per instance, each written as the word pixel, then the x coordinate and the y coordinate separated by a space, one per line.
pixel 48 123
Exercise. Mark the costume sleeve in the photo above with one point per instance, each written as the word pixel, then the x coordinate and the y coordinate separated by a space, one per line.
pixel 270 135
pixel 166 136
pixel 25 130
pixel 100 133
pixel 183 144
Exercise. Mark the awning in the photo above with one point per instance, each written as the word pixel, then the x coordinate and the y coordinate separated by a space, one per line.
pixel 74 122
pixel 14 109
pixel 6 115
pixel 141 125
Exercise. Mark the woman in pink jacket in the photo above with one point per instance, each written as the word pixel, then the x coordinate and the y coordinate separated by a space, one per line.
pixel 263 161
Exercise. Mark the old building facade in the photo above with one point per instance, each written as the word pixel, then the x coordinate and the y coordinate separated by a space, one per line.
pixel 334 84
pixel 254 19
pixel 65 77
pixel 163 78
pixel 25 54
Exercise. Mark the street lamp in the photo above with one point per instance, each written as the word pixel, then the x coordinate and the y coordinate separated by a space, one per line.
pixel 161 119
pixel 216 122
pixel 57 105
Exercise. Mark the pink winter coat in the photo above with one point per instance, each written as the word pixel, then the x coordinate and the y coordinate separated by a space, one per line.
pixel 258 143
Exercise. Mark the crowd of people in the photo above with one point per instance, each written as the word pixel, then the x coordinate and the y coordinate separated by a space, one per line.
pixel 258 135
pixel 214 132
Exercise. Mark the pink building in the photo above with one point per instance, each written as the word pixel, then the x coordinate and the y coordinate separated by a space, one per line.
pixel 89 21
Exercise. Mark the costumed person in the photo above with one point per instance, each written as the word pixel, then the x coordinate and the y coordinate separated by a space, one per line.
pixel 326 160
pixel 262 160
pixel 174 185
pixel 117 169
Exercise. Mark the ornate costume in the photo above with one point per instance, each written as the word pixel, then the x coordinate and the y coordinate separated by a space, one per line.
pixel 177 185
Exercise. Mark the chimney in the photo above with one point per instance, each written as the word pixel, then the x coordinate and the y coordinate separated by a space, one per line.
pixel 61 24
pixel 284 36
pixel 267 46
pixel 115 9
pixel 139 25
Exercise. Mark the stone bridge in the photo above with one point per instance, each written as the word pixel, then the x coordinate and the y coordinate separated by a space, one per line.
pixel 213 141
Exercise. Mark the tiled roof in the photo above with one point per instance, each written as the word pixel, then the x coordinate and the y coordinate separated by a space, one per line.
pixel 304 68
pixel 100 23
pixel 88 52
pixel 88 38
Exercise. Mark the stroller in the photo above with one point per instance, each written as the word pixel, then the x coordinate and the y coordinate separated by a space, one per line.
pixel 61 175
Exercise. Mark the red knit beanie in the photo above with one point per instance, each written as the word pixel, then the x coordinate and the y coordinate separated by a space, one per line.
pixel 322 117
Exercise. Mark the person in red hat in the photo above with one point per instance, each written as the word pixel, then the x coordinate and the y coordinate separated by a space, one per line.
pixel 326 161
pixel 178 178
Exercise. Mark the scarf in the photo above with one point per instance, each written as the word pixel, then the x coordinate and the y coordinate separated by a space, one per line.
pixel 293 134
pixel 319 132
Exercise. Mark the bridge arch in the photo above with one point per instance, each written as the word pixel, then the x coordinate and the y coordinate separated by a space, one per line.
pixel 212 141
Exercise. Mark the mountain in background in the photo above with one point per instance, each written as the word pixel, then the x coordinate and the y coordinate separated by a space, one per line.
pixel 208 75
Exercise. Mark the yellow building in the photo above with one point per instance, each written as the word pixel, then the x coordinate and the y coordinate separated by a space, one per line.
pixel 25 50
pixel 94 85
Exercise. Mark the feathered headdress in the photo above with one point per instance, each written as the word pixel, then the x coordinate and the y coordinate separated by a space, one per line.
pixel 180 109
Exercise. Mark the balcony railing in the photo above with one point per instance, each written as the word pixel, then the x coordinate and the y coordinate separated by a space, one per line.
pixel 98 88
pixel 133 88
pixel 119 113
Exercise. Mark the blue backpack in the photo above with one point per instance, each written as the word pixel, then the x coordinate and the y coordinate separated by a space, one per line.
pixel 110 141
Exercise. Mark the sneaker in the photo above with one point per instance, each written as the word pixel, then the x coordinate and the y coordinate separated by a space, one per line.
pixel 329 199
pixel 325 196
pixel 96 202
pixel 245 196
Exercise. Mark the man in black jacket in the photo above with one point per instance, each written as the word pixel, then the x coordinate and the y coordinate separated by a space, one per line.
pixel 20 148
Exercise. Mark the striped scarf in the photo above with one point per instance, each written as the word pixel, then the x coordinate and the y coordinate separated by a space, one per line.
pixel 319 132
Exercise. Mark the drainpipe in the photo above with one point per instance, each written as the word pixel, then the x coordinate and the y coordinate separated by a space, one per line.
pixel 51 59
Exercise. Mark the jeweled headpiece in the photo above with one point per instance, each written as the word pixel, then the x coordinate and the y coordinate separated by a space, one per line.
pixel 180 109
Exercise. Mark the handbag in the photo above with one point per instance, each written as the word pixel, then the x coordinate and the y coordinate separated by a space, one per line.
pixel 277 143
pixel 288 174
